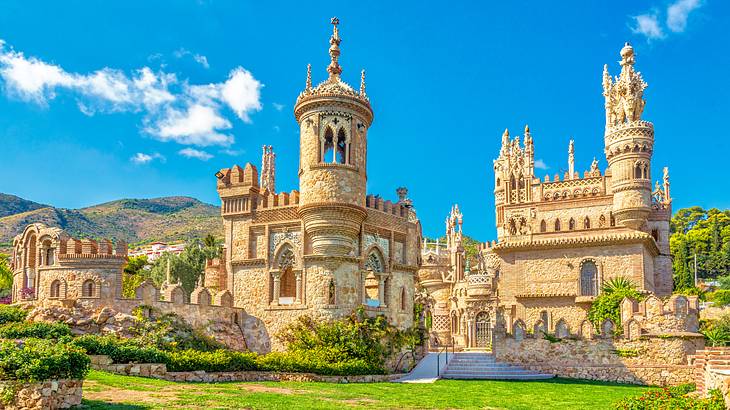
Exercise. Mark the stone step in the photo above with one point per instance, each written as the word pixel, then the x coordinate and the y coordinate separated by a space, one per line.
pixel 485 366
pixel 532 376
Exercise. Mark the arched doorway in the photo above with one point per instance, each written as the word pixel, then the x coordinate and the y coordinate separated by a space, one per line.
pixel 482 331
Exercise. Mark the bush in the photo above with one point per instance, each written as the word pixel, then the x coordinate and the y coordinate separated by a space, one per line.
pixel 119 350
pixel 312 362
pixel 169 331
pixel 717 332
pixel 11 314
pixel 37 360
pixel 40 330
pixel 608 304
pixel 720 297
pixel 217 361
pixel 672 398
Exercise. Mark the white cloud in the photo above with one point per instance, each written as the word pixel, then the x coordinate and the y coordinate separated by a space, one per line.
pixel 194 153
pixel 142 158
pixel 277 128
pixel 200 59
pixel 678 12
pixel 197 125
pixel 540 164
pixel 277 106
pixel 171 110
pixel 648 25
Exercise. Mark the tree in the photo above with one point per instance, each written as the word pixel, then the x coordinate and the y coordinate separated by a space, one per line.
pixel 683 277
pixel 6 275
pixel 187 267
pixel 134 274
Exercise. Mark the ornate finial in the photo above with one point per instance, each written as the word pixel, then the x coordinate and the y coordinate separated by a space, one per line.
pixel 309 77
pixel 362 83
pixel 334 68
pixel 506 133
pixel 627 55
pixel 527 129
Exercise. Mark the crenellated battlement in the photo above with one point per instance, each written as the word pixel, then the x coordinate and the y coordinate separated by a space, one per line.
pixel 268 199
pixel 389 207
pixel 90 249
pixel 653 316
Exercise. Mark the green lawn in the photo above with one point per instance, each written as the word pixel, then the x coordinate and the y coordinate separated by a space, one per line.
pixel 108 391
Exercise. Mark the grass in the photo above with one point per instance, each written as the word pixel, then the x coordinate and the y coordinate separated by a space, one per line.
pixel 109 391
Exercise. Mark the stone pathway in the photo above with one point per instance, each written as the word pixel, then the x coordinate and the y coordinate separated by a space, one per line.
pixel 425 370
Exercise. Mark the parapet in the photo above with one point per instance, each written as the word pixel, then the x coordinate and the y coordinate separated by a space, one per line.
pixel 90 249
pixel 376 202
pixel 238 177
pixel 272 200
pixel 652 316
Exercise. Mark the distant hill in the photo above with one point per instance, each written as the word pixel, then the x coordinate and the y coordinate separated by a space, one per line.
pixel 133 220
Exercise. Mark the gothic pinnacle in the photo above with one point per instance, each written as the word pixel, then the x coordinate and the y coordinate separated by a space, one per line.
pixel 334 68
pixel 309 77
pixel 362 83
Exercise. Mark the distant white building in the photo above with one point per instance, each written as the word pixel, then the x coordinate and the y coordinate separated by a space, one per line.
pixel 156 249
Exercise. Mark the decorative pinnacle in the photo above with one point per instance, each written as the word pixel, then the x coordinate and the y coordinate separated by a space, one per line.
pixel 362 83
pixel 309 77
pixel 334 68
pixel 627 55
pixel 506 133
pixel 527 129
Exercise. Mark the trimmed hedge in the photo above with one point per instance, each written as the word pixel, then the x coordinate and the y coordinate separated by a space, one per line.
pixel 36 360
pixel 38 330
pixel 11 314
pixel 130 351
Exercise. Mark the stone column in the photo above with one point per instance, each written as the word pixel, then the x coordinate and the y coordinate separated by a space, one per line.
pixel 470 332
pixel 298 298
pixel 381 290
pixel 277 287
pixel 363 275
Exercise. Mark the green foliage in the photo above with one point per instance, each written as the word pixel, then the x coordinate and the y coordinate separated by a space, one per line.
pixel 169 332
pixel 358 337
pixel 134 274
pixel 705 233
pixel 6 275
pixel 672 398
pixel 11 314
pixel 40 330
pixel 215 361
pixel 187 267
pixel 720 297
pixel 36 360
pixel 608 304
pixel 627 352
pixel 550 338
pixel 717 332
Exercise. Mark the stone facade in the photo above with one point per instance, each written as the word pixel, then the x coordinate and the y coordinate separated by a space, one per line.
pixel 712 371
pixel 559 238
pixel 50 394
pixel 327 248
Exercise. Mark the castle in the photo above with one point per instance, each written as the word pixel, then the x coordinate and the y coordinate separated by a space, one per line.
pixel 323 250
pixel 329 248
pixel 558 239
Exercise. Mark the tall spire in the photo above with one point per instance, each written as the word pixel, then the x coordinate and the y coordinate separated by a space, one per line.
pixel 334 68
pixel 362 83
pixel 309 77
pixel 571 159
pixel 268 169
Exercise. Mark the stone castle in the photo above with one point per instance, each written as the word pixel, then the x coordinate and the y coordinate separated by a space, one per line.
pixel 329 247
pixel 558 239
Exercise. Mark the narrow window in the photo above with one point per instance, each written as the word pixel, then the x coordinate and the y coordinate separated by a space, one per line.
pixel 341 147
pixel 543 226
pixel 638 173
pixel 87 289
pixel 589 279
pixel 326 154
pixel 587 223
pixel 512 182
pixel 56 289
pixel 571 224
pixel 331 292
pixel 601 221
pixel 403 299
pixel 557 225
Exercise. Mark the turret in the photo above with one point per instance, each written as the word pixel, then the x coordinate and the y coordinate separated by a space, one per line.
pixel 629 143
pixel 513 173
pixel 333 120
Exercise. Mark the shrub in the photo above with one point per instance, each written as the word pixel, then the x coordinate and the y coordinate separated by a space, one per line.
pixel 672 398
pixel 720 297
pixel 40 330
pixel 37 360
pixel 119 350
pixel 217 361
pixel 608 304
pixel 10 314
pixel 315 362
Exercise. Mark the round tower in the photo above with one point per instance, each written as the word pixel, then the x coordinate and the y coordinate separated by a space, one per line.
pixel 629 143
pixel 333 120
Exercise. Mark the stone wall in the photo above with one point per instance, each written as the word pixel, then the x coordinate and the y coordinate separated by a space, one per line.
pixel 650 361
pixel 50 394
pixel 712 371
pixel 159 371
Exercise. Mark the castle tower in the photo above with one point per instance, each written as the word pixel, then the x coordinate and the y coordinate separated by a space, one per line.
pixel 629 142
pixel 268 169
pixel 514 170
pixel 333 120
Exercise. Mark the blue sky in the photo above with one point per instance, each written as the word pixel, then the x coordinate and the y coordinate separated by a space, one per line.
pixel 108 100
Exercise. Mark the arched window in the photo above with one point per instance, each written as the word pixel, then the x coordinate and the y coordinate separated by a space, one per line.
pixel 331 292
pixel 50 257
pixel 88 288
pixel 587 223
pixel 545 317
pixel 589 279
pixel 374 262
pixel 655 234
pixel 543 226
pixel 341 157
pixel 287 280
pixel 601 221
pixel 512 182
pixel 522 182
pixel 499 181
pixel 56 289
pixel 613 220
pixel 512 227
pixel 454 323
pixel 326 153
pixel 557 225
pixel 571 224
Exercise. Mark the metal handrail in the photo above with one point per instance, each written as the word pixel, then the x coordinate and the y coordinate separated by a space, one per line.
pixel 442 349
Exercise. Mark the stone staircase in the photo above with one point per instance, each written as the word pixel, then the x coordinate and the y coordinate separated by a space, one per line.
pixel 481 365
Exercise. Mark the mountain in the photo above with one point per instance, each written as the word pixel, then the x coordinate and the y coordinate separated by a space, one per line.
pixel 133 220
